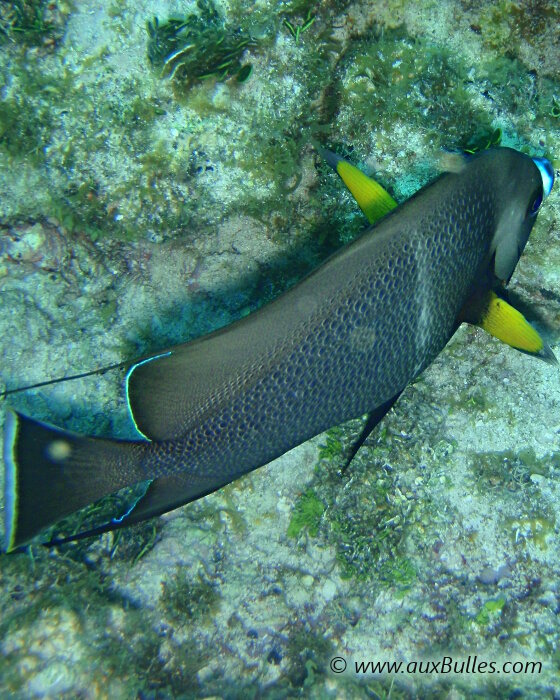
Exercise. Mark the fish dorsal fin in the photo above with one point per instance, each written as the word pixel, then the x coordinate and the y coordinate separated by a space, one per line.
pixel 168 392
pixel 372 199
pixel 173 391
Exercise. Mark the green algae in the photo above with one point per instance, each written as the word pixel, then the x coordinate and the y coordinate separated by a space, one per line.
pixel 297 28
pixel 505 24
pixel 83 209
pixel 490 610
pixel 481 141
pixel 76 599
pixel 26 21
pixel 527 528
pixel 135 644
pixel 197 47
pixel 398 573
pixel 274 151
pixel 332 448
pixel 23 130
pixel 365 523
pixel 509 470
pixel 387 689
pixel 271 157
pixel 37 580
pixel 391 76
pixel 307 515
pixel 495 23
pixel 474 399
pixel 28 116
pixel 32 120
pixel 308 653
pixel 368 522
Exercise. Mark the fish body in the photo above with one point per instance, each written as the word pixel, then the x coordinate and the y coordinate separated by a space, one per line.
pixel 344 341
pixel 487 309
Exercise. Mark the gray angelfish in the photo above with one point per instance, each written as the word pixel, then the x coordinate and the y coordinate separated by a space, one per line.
pixel 344 341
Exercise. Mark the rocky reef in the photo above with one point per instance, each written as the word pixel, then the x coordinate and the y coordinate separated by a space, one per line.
pixel 158 180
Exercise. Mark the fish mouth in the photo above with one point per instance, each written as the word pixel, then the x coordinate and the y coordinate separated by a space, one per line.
pixel 547 174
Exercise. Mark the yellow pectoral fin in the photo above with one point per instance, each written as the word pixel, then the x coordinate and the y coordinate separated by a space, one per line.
pixel 507 324
pixel 372 199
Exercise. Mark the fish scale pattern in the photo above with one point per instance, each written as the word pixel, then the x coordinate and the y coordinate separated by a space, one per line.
pixel 401 287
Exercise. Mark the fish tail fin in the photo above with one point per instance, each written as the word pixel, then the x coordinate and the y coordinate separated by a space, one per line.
pixel 50 473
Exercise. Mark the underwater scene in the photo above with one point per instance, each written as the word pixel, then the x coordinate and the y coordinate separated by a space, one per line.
pixel 351 488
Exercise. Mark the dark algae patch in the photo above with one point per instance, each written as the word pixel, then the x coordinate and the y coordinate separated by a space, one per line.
pixel 509 470
pixel 186 597
pixel 197 47
pixel 31 22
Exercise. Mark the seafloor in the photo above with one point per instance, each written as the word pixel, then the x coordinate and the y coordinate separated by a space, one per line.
pixel 137 211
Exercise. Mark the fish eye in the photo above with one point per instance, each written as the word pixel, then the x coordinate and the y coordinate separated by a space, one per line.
pixel 536 202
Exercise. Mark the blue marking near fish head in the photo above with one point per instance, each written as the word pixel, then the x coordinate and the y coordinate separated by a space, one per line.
pixel 547 173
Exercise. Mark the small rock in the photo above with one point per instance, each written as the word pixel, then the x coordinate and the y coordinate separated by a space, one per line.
pixel 329 589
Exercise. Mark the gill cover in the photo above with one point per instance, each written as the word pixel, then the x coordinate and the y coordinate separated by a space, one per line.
pixel 522 191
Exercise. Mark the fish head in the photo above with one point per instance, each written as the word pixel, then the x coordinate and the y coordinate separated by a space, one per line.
pixel 522 183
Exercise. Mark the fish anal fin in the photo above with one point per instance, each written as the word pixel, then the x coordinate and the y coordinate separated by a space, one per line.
pixel 169 492
pixel 162 495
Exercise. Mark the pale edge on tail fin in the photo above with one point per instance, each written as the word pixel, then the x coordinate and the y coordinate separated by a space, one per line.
pixel 10 480
pixel 51 473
